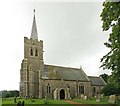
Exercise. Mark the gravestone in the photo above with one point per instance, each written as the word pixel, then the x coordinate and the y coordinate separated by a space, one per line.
pixel 19 103
pixel 45 100
pixel 15 101
pixel 118 97
pixel 22 104
pixel 102 95
pixel 85 97
pixel 98 97
pixel 97 100
pixel 112 99
pixel 82 96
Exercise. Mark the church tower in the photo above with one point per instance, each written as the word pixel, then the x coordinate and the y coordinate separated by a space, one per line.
pixel 32 65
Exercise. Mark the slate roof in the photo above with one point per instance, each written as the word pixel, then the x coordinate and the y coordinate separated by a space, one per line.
pixel 96 81
pixel 66 73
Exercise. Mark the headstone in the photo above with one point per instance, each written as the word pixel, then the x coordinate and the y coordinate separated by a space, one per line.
pixel 98 97
pixel 82 96
pixel 45 100
pixel 112 99
pixel 19 103
pixel 85 97
pixel 22 103
pixel 26 97
pixel 118 97
pixel 15 100
pixel 102 96
pixel 95 96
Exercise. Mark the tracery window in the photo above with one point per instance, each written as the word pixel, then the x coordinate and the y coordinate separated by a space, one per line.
pixel 81 89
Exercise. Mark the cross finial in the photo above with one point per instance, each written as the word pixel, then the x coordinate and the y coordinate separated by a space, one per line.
pixel 34 11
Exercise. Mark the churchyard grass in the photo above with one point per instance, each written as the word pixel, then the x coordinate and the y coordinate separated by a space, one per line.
pixel 93 101
pixel 90 101
pixel 30 102
pixel 33 101
pixel 57 102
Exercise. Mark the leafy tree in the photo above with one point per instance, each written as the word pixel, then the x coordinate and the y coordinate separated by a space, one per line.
pixel 110 89
pixel 111 21
pixel 11 93
pixel 104 77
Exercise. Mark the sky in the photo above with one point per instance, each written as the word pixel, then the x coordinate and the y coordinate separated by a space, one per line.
pixel 71 32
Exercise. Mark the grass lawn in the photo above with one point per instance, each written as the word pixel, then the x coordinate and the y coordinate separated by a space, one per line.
pixel 89 101
pixel 40 102
pixel 93 101
pixel 29 101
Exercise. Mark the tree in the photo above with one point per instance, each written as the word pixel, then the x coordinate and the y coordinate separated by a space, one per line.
pixel 104 77
pixel 12 93
pixel 111 21
pixel 110 89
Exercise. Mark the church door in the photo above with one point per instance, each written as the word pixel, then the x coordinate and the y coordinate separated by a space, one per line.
pixel 62 94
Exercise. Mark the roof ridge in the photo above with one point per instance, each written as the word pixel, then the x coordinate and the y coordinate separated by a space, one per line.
pixel 62 66
pixel 85 74
pixel 94 76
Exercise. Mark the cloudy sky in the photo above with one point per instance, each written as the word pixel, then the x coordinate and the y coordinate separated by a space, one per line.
pixel 71 32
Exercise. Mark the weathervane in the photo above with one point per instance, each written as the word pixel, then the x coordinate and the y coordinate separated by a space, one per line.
pixel 34 11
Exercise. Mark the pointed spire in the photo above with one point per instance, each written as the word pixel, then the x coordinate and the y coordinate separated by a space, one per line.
pixel 34 34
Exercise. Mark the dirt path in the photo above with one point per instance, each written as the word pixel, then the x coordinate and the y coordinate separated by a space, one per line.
pixel 71 102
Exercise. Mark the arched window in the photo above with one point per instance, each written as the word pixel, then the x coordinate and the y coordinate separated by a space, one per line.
pixel 81 89
pixel 94 89
pixel 36 52
pixel 48 89
pixel 31 52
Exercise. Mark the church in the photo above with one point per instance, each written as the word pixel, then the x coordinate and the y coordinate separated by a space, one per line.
pixel 40 80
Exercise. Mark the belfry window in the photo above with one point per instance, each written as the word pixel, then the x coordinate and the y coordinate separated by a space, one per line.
pixel 36 52
pixel 31 52
pixel 48 88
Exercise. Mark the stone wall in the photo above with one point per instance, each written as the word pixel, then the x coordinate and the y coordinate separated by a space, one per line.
pixel 33 53
pixel 96 90
pixel 57 85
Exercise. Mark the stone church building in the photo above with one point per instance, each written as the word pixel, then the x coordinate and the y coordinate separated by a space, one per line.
pixel 40 80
